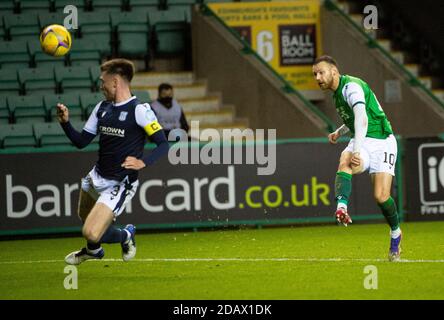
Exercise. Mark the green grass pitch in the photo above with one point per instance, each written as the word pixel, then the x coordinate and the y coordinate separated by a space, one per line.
pixel 318 262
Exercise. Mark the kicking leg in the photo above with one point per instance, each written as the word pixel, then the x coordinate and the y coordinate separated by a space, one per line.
pixel 382 184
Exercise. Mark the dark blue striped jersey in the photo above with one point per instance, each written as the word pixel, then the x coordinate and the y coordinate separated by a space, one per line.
pixel 123 129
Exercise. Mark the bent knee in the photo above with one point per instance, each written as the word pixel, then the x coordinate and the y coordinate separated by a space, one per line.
pixel 381 197
pixel 90 235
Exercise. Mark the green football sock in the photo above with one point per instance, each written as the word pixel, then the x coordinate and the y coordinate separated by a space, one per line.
pixel 343 187
pixel 390 213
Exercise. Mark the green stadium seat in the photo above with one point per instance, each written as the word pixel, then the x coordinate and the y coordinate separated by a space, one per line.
pixel 50 134
pixel 96 27
pixel 160 17
pixel 144 5
pixel 41 59
pixel 14 54
pixel 95 76
pixel 48 18
pixel 9 82
pixel 17 135
pixel 107 5
pixel 74 79
pixel 89 100
pixel 35 6
pixel 7 7
pixel 142 95
pixel 4 110
pixel 171 30
pixel 85 53
pixel 23 26
pixel 60 4
pixel 133 33
pixel 71 100
pixel 171 37
pixel 38 79
pixel 184 5
pixel 27 109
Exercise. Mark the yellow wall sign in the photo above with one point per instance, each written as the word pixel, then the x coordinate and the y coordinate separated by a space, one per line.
pixel 285 34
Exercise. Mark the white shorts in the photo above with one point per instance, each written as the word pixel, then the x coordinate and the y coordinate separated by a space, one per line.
pixel 379 155
pixel 114 194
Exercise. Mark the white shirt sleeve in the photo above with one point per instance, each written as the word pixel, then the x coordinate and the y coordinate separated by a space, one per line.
pixel 91 124
pixel 144 115
pixel 353 94
pixel 361 125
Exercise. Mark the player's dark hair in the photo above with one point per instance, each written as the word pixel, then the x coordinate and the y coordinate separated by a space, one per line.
pixel 328 59
pixel 122 67
pixel 164 86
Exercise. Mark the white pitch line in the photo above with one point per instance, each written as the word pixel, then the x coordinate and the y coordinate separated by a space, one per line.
pixel 233 260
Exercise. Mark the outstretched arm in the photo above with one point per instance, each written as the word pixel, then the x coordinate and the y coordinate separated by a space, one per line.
pixel 79 139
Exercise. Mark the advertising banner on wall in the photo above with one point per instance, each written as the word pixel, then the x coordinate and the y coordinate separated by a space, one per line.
pixel 287 35
pixel 424 179
pixel 39 191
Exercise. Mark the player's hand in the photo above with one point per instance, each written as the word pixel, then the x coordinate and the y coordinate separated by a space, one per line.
pixel 356 163
pixel 356 160
pixel 133 163
pixel 62 113
pixel 333 137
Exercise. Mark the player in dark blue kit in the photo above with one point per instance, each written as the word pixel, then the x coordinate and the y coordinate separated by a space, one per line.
pixel 123 123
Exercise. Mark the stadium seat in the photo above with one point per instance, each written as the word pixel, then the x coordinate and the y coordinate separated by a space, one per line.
pixel 37 79
pixel 184 5
pixel 171 30
pixel 89 100
pixel 96 27
pixel 145 5
pixel 23 26
pixel 16 135
pixel 133 33
pixel 142 95
pixel 2 28
pixel 71 100
pixel 14 54
pixel 167 16
pixel 48 18
pixel 41 59
pixel 50 134
pixel 171 38
pixel 60 4
pixel 27 109
pixel 95 76
pixel 7 7
pixel 107 5
pixel 9 82
pixel 4 111
pixel 74 79
pixel 35 6
pixel 85 53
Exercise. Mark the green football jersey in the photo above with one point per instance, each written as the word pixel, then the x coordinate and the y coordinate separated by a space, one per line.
pixel 352 91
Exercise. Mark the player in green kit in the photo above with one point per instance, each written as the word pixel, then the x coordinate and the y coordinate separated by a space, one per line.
pixel 372 147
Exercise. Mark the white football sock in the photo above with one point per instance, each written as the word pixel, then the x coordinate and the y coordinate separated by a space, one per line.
pixel 395 233
pixel 342 205
pixel 95 251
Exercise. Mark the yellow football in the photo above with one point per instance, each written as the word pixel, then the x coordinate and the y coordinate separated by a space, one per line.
pixel 55 40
